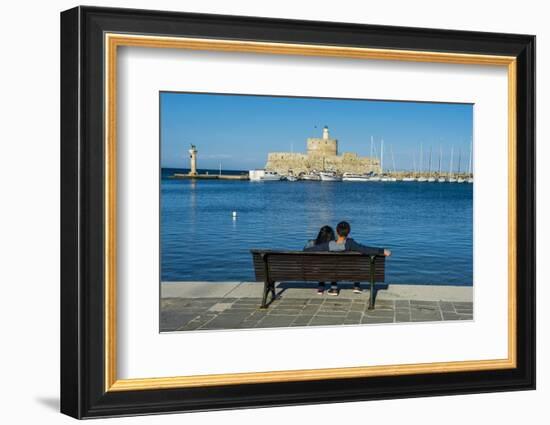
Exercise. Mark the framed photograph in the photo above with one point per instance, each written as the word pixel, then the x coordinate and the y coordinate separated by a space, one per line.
pixel 262 212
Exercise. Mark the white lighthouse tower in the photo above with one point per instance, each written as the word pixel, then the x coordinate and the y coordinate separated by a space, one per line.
pixel 325 133
pixel 193 157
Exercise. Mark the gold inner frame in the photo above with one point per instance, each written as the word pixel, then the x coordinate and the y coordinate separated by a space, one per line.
pixel 113 41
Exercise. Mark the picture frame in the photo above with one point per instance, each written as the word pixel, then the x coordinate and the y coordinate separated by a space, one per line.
pixel 90 39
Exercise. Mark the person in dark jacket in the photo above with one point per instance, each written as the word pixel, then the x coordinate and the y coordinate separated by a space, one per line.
pixel 325 235
pixel 345 243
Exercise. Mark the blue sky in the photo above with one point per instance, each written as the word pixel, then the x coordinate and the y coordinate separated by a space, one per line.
pixel 238 131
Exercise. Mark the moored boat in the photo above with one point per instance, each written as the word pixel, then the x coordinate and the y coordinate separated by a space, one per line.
pixel 430 178
pixel 330 176
pixel 440 179
pixel 256 175
pixel 351 177
pixel 271 176
pixel 471 177
pixel 312 176
pixel 451 179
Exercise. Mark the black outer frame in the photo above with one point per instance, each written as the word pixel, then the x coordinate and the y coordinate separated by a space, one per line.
pixel 82 219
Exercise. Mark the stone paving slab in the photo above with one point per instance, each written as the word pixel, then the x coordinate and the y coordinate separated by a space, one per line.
pixel 192 314
pixel 196 289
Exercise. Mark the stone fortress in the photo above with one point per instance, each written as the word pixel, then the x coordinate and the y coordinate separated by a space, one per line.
pixel 322 155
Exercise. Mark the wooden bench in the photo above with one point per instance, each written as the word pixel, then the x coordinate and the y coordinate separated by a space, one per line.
pixel 278 266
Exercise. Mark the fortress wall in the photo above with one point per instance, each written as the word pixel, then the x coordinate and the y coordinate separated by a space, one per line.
pixel 282 162
pixel 352 164
pixel 322 154
pixel 286 156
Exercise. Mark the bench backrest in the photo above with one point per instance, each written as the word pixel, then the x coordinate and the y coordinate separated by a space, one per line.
pixel 316 266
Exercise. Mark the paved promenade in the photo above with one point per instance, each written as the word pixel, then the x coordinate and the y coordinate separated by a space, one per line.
pixel 190 306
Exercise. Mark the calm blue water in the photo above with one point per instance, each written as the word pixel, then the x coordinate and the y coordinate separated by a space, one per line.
pixel 428 226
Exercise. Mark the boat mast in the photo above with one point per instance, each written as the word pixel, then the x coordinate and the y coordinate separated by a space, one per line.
pixel 382 156
pixel 420 166
pixel 440 153
pixel 430 163
pixel 470 164
pixel 414 163
pixel 459 155
pixel 451 164
pixel 371 145
pixel 392 158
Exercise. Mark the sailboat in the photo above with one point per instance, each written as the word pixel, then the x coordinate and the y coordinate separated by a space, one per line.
pixel 330 176
pixel 373 154
pixel 383 178
pixel 311 176
pixel 392 178
pixel 460 179
pixel 451 178
pixel 421 178
pixel 470 175
pixel 441 179
pixel 413 177
pixel 431 178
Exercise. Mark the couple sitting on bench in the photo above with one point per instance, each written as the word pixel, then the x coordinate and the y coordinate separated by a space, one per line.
pixel 327 241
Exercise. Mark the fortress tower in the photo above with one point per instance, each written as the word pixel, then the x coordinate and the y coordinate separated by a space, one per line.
pixel 324 146
pixel 322 154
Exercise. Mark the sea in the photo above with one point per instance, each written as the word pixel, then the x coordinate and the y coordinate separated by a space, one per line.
pixel 427 226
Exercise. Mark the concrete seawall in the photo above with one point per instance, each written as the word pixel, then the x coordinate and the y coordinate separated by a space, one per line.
pixel 304 290
pixel 210 177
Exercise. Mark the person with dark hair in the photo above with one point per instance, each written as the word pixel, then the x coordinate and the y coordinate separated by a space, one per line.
pixel 325 235
pixel 345 243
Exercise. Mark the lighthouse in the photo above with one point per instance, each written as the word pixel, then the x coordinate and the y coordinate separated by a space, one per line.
pixel 325 133
pixel 193 158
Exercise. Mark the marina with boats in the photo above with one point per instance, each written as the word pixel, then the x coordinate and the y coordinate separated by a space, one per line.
pixel 400 176
pixel 322 163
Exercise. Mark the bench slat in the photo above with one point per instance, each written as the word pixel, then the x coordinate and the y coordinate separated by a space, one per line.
pixel 326 266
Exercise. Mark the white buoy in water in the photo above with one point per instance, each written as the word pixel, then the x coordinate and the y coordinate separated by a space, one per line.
pixel 234 215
